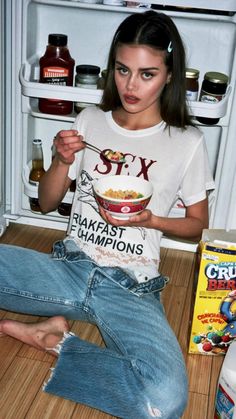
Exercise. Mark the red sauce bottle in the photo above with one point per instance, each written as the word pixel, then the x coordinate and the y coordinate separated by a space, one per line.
pixel 56 67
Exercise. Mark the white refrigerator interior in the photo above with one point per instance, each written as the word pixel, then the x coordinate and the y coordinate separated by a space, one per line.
pixel 209 36
pixel 2 120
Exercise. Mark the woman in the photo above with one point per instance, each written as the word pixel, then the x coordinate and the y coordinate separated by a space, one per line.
pixel 106 270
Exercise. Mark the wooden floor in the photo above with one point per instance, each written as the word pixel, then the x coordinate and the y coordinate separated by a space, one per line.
pixel 23 370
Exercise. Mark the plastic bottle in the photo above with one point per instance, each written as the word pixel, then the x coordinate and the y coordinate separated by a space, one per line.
pixel 225 405
pixel 37 171
pixel 56 67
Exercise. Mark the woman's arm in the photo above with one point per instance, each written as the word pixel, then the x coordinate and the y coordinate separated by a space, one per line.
pixel 190 227
pixel 55 182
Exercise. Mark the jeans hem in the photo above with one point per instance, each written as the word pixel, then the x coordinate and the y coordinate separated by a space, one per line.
pixel 57 350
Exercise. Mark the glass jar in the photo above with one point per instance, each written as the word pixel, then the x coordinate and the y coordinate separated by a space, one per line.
pixel 86 77
pixel 213 90
pixel 192 85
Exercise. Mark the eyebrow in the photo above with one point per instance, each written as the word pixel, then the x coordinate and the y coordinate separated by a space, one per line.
pixel 141 69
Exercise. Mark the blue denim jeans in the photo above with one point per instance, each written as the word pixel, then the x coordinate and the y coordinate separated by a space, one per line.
pixel 140 373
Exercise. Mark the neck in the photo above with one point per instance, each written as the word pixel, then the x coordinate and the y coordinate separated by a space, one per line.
pixel 132 121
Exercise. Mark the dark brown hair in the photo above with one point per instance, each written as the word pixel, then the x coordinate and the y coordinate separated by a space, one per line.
pixel 158 31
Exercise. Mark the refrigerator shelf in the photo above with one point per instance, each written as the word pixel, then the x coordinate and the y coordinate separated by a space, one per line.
pixel 49 91
pixel 37 114
pixel 32 191
pixel 35 89
pixel 227 5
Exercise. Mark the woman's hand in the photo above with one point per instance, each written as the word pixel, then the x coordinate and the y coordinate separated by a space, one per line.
pixel 189 227
pixel 67 143
pixel 55 182
pixel 144 219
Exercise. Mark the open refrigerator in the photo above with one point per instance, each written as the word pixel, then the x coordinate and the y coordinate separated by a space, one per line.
pixel 208 30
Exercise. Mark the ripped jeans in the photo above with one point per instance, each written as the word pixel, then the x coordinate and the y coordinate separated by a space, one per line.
pixel 140 374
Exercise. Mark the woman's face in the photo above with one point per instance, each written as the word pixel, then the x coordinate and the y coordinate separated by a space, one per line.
pixel 140 76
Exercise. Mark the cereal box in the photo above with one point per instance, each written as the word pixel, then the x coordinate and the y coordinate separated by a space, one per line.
pixel 214 316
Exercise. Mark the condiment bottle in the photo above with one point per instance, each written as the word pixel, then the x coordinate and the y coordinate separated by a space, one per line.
pixel 86 77
pixel 65 208
pixel 73 185
pixel 213 90
pixel 37 171
pixel 192 85
pixel 57 68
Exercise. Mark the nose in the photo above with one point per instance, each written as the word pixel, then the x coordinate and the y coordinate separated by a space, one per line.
pixel 132 82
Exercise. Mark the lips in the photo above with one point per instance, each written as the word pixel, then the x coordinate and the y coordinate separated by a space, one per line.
pixel 131 100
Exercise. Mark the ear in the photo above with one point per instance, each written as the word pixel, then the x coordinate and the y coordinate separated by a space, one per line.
pixel 168 78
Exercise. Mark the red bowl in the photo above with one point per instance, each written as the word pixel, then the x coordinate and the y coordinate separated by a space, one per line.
pixel 122 208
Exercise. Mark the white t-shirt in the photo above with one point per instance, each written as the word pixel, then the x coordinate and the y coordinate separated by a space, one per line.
pixel 174 160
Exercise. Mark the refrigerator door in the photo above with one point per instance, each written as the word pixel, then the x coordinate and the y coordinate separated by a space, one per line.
pixel 209 37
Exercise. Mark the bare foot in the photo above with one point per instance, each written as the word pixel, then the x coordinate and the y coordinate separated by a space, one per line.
pixel 42 335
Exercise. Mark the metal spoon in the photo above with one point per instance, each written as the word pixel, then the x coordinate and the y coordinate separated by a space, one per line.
pixel 110 155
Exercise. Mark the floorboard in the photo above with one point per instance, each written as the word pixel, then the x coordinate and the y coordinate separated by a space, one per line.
pixel 23 370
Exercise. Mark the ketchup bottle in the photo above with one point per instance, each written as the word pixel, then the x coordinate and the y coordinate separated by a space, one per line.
pixel 56 67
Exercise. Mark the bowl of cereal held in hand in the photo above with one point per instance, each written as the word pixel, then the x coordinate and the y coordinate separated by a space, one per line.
pixel 122 196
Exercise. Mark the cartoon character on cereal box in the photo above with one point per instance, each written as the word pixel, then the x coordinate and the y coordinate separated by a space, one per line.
pixel 217 341
pixel 229 316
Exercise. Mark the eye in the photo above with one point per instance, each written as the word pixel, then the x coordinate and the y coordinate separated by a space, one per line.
pixel 147 75
pixel 122 70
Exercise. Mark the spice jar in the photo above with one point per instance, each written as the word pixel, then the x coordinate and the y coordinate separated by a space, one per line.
pixel 192 85
pixel 86 77
pixel 213 90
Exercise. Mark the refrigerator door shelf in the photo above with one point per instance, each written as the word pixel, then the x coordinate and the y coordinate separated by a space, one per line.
pixel 227 5
pixel 76 94
pixel 34 111
pixel 216 110
pixel 32 191
pixel 49 91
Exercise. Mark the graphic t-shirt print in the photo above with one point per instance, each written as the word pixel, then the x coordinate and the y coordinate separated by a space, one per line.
pixel 89 228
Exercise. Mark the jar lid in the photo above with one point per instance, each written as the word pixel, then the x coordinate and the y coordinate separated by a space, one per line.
pixel 57 39
pixel 37 141
pixel 215 77
pixel 192 73
pixel 87 69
